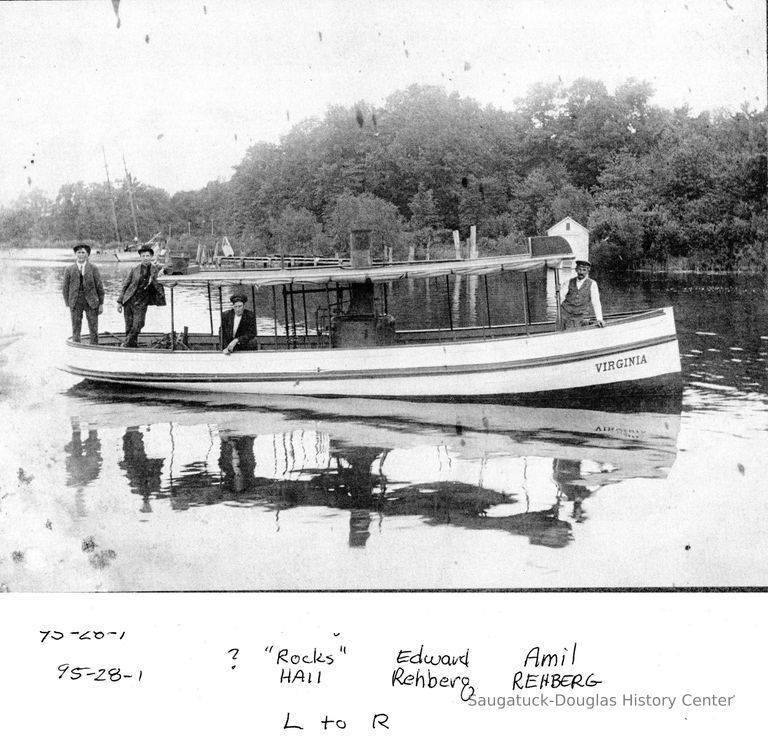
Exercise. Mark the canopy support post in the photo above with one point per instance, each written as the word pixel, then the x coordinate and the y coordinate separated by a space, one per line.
pixel 274 311
pixel 448 300
pixel 293 317
pixel 557 297
pixel 210 307
pixel 255 322
pixel 221 319
pixel 526 304
pixel 487 300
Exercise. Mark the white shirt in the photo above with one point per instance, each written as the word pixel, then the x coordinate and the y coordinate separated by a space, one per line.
pixel 594 295
pixel 235 325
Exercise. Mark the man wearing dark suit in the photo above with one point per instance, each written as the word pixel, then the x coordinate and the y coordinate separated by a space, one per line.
pixel 238 326
pixel 139 290
pixel 83 291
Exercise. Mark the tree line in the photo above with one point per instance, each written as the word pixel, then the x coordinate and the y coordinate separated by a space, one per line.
pixel 656 187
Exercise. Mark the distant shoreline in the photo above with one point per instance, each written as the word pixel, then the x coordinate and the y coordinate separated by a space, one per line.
pixel 44 253
pixel 708 272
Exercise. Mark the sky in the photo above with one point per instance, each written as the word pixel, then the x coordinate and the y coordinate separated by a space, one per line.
pixel 180 90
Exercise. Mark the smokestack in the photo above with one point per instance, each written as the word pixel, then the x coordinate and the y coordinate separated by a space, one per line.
pixel 360 249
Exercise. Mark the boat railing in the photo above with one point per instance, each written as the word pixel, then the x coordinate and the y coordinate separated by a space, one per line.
pixel 276 261
pixel 319 336
pixel 463 333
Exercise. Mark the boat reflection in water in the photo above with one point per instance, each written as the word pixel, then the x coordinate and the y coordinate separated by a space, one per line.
pixel 522 470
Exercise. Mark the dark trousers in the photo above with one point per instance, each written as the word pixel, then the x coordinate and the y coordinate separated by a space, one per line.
pixel 570 320
pixel 91 315
pixel 134 313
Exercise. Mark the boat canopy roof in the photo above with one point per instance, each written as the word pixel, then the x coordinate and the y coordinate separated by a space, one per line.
pixel 377 273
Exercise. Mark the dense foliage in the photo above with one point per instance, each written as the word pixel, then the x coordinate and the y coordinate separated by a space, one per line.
pixel 653 186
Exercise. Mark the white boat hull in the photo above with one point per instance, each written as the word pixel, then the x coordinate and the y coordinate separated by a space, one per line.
pixel 627 352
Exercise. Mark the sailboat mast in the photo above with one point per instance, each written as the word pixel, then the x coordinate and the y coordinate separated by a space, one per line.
pixel 111 197
pixel 128 179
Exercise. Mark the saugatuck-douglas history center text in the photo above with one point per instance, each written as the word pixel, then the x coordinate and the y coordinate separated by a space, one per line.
pixel 597 700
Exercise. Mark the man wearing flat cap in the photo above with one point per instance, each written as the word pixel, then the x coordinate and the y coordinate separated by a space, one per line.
pixel 140 289
pixel 83 292
pixel 238 325
pixel 579 299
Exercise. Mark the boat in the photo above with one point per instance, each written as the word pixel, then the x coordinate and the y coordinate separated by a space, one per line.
pixel 113 256
pixel 356 350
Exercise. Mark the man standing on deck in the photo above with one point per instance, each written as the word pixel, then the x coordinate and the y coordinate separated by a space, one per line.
pixel 140 289
pixel 579 298
pixel 83 291
pixel 238 326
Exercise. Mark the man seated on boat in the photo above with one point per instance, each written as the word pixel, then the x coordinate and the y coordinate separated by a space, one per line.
pixel 140 289
pixel 579 299
pixel 238 325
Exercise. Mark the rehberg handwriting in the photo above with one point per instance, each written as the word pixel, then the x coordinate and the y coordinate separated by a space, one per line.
pixel 432 676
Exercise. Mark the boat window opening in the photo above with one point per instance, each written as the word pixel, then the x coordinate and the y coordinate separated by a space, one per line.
pixel 487 300
pixel 448 301
pixel 255 319
pixel 557 296
pixel 274 311
pixel 173 332
pixel 526 305
pixel 293 316
pixel 306 321
pixel 287 321
pixel 210 307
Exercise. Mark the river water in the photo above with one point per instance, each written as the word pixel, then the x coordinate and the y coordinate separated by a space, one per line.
pixel 103 489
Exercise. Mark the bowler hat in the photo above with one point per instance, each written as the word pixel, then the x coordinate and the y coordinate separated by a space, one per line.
pixel 239 296
pixel 76 247
pixel 142 249
pixel 584 262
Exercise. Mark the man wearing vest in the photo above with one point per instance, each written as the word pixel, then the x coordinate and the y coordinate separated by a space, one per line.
pixel 139 290
pixel 83 291
pixel 579 299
